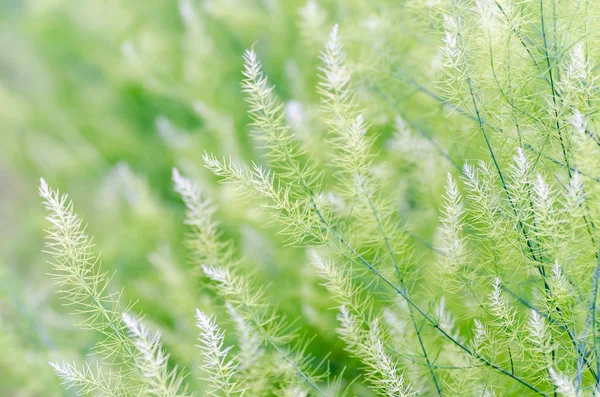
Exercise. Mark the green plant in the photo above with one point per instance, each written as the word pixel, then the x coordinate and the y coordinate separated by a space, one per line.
pixel 434 180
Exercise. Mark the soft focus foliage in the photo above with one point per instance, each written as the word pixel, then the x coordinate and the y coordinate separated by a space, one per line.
pixel 299 198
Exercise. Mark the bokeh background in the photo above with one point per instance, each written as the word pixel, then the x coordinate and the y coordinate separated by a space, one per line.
pixel 103 97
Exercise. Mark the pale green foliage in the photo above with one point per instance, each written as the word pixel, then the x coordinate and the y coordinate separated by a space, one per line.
pixel 86 380
pixel 338 99
pixel 484 285
pixel 269 123
pixel 563 384
pixel 152 361
pixel 142 365
pixel 454 244
pixel 368 346
pixel 541 338
pixel 220 371
pixel 76 272
pixel 205 245
pixel 271 330
pixel 361 334
pixel 256 323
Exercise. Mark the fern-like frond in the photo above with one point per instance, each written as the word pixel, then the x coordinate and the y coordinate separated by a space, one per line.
pixel 367 345
pixel 82 284
pixel 204 242
pixel 221 371
pixel 87 380
pixel 454 243
pixel 141 365
pixel 270 127
pixel 153 361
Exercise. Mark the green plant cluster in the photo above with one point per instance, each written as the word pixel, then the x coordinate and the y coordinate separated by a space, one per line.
pixel 299 198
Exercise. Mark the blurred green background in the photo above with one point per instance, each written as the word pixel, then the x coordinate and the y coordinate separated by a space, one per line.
pixel 103 97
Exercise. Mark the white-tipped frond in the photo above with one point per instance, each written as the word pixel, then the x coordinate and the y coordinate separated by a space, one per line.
pixel 564 386
pixel 153 361
pixel 220 370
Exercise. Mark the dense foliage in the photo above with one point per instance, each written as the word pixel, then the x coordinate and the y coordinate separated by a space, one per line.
pixel 322 198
